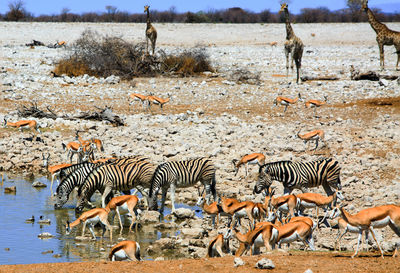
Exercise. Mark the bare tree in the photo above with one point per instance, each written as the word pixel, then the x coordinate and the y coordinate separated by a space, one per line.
pixel 355 9
pixel 111 10
pixel 17 10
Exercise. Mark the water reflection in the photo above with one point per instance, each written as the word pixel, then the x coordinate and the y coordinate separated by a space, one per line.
pixel 22 237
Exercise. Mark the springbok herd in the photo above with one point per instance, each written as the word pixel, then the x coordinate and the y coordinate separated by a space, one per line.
pixel 276 221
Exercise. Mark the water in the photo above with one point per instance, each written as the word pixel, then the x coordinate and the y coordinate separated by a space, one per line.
pixel 22 240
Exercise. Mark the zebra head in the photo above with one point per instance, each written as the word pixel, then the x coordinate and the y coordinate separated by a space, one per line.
pixel 61 198
pixel 264 180
pixel 80 204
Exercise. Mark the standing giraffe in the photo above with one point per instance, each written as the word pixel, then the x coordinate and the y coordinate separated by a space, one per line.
pixel 151 32
pixel 384 35
pixel 293 44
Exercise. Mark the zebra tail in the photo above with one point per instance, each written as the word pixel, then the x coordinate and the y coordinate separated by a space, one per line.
pixel 64 146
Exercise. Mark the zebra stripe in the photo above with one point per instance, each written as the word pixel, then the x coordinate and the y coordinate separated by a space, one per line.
pixel 301 175
pixel 181 174
pixel 73 180
pixel 135 171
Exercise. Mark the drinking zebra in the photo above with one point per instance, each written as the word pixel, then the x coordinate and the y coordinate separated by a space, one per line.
pixel 115 177
pixel 300 175
pixel 181 174
pixel 72 181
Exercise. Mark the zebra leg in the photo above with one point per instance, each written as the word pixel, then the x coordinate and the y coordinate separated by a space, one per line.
pixel 163 197
pixel 173 188
pixel 327 189
pixel 106 192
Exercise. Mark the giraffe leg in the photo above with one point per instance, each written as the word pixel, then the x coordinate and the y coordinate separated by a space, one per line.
pixel 287 62
pixel 381 56
pixel 398 60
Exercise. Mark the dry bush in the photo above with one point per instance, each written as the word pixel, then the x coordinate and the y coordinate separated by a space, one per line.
pixel 105 56
pixel 188 63
pixel 72 67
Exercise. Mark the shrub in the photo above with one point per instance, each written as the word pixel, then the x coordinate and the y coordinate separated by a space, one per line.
pixel 105 56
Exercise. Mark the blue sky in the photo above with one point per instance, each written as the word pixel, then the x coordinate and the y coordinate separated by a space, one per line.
pixel 38 7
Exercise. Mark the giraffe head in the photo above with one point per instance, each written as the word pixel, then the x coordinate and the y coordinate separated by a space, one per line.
pixel 364 5
pixel 146 8
pixel 283 7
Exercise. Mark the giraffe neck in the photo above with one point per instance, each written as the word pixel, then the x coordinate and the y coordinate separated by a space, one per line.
pixel 148 19
pixel 375 24
pixel 289 30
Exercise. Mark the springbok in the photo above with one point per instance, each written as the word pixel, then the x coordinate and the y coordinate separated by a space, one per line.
pixel 311 200
pixel 128 203
pixel 240 209
pixel 315 104
pixel 214 209
pixel 265 234
pixel 73 148
pixel 91 217
pixel 31 124
pixel 139 97
pixel 125 250
pixel 286 101
pixel 370 218
pixel 157 101
pixel 297 230
pixel 315 135
pixel 54 170
pixel 286 203
pixel 219 245
pixel 254 158
pixel 342 224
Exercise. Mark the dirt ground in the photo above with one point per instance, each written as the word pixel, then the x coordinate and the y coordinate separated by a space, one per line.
pixel 287 262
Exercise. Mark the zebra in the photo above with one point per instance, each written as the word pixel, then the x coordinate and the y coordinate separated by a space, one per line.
pixel 300 175
pixel 115 177
pixel 181 174
pixel 73 180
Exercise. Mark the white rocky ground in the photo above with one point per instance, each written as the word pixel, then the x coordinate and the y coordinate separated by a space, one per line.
pixel 214 116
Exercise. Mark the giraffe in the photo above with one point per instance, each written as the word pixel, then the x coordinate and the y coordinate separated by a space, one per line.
pixel 293 44
pixel 384 35
pixel 151 32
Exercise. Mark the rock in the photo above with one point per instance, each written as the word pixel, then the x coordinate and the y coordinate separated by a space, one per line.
pixel 195 233
pixel 165 243
pixel 39 184
pixel 12 189
pixel 57 256
pixel 159 259
pixel 238 262
pixel 308 271
pixel 45 235
pixel 150 216
pixel 82 238
pixel 265 264
pixel 183 213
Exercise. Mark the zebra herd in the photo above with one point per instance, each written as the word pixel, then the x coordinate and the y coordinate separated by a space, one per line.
pixel 126 173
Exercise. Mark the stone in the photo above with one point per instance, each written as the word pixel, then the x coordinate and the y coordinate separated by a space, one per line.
pixel 45 235
pixel 159 259
pixel 238 262
pixel 12 189
pixel 183 213
pixel 195 233
pixel 165 243
pixel 39 184
pixel 265 264
pixel 150 216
